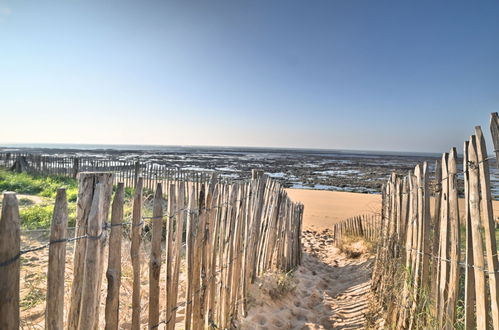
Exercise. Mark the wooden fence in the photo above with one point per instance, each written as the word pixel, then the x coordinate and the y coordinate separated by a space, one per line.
pixel 126 171
pixel 232 233
pixel 437 264
pixel 366 225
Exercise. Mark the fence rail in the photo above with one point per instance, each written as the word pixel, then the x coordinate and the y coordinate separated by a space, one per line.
pixel 440 271
pixel 232 233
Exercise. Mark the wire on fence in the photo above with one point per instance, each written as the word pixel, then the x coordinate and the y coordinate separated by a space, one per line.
pixel 431 255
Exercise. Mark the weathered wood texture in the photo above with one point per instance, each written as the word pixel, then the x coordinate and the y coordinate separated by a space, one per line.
pixel 113 273
pixel 54 312
pixel 439 266
pixel 234 232
pixel 10 244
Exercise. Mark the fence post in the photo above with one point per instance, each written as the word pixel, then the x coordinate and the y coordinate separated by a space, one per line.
pixel 488 224
pixel 87 184
pixel 155 257
pixel 189 255
pixel 177 209
pixel 469 281
pixel 494 130
pixel 454 246
pixel 444 241
pixel 436 236
pixel 10 245
pixel 135 253
pixel 76 166
pixel 113 273
pixel 54 313
pixel 482 319
pixel 91 285
pixel 136 173
pixel 170 255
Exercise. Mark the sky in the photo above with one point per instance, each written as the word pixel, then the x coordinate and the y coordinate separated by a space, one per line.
pixel 350 74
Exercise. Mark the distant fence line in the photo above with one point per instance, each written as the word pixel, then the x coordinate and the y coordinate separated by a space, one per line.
pixel 365 225
pixel 126 171
pixel 440 271
pixel 234 232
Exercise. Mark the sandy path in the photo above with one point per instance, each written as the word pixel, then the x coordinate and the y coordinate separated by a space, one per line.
pixel 331 291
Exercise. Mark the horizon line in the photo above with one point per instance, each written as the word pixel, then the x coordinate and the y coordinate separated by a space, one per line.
pixel 43 145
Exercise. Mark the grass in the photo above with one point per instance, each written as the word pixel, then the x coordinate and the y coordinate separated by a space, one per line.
pixel 39 215
pixel 355 246
pixel 45 186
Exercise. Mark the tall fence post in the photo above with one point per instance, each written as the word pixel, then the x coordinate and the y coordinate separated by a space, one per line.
pixel 88 182
pixel 488 224
pixel 10 244
pixel 113 273
pixel 92 271
pixel 135 253
pixel 155 257
pixel 54 313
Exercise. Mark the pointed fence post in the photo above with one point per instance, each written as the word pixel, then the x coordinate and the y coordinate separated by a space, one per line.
pixel 10 244
pixel 113 273
pixel 54 313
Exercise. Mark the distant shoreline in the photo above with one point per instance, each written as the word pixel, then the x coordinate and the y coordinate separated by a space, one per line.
pixel 132 147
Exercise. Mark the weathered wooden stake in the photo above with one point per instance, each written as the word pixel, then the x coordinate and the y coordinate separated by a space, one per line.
pixel 113 273
pixel 10 244
pixel 54 312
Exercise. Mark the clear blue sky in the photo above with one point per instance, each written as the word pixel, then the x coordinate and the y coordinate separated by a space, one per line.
pixel 382 75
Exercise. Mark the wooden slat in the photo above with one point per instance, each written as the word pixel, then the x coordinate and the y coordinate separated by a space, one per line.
pixel 155 257
pixel 10 244
pixel 436 238
pixel 482 306
pixel 488 223
pixel 135 253
pixel 54 312
pixel 444 242
pixel 469 281
pixel 454 243
pixel 494 129
pixel 113 273
pixel 91 285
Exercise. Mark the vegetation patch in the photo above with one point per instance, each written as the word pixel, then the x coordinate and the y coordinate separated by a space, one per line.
pixel 45 186
pixel 38 214
pixel 355 246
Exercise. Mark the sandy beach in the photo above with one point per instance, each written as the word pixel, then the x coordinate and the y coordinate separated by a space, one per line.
pixel 325 208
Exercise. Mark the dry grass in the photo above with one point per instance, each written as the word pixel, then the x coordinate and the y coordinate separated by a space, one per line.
pixel 355 246
pixel 33 286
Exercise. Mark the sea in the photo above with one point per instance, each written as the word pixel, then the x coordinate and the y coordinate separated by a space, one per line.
pixel 320 169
